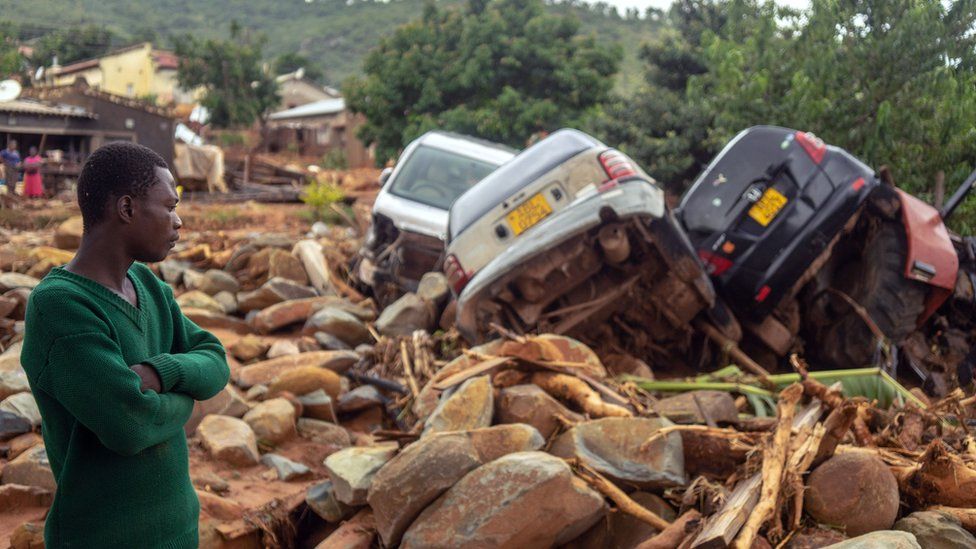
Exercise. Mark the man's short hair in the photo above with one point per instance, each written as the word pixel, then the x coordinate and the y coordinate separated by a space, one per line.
pixel 115 170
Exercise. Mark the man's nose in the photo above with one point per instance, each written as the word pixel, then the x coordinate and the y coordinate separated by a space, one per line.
pixel 177 222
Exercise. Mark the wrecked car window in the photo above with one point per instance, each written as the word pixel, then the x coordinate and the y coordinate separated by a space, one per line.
pixel 437 177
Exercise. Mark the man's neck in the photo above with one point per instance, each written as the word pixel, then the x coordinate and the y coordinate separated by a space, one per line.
pixel 102 258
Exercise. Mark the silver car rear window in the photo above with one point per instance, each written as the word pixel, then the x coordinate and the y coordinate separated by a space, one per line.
pixel 437 177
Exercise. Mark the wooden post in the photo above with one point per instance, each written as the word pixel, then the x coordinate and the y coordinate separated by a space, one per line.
pixel 939 198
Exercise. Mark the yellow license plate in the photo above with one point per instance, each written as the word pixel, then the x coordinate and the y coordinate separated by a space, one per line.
pixel 529 213
pixel 764 211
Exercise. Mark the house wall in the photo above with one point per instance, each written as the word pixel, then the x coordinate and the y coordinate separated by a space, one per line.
pixel 295 93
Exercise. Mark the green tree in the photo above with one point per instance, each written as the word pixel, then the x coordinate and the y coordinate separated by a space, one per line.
pixel 72 44
pixel 498 69
pixel 11 62
pixel 238 89
pixel 291 62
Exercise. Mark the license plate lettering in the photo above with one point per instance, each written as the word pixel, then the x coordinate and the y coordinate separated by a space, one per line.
pixel 768 207
pixel 529 213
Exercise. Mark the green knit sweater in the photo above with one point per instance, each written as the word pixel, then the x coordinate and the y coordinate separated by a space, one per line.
pixel 119 455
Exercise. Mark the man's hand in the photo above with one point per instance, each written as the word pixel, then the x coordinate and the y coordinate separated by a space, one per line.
pixel 149 376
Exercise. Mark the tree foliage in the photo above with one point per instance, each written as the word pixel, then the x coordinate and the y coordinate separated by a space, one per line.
pixel 11 62
pixel 73 43
pixel 238 90
pixel 291 61
pixel 499 69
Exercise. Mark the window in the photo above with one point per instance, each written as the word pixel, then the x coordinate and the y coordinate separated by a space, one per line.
pixel 130 90
pixel 436 177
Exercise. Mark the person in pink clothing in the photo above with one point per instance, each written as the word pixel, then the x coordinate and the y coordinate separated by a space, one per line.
pixel 33 185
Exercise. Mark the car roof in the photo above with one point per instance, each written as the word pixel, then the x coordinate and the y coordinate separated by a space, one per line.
pixel 479 149
pixel 522 170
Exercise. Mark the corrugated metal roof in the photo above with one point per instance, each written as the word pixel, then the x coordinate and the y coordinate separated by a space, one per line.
pixel 317 108
pixel 32 106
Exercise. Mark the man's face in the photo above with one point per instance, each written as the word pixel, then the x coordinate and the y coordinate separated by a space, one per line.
pixel 156 225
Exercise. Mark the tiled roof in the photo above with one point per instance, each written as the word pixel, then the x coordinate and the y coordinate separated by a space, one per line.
pixel 318 108
pixel 33 106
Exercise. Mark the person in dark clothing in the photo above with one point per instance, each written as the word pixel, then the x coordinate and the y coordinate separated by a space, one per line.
pixel 115 366
pixel 11 165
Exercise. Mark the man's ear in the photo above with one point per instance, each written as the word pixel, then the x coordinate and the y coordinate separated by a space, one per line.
pixel 124 208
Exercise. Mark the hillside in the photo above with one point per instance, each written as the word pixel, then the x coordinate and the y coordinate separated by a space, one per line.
pixel 334 33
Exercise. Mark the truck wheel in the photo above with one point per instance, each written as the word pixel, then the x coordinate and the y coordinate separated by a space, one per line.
pixel 877 282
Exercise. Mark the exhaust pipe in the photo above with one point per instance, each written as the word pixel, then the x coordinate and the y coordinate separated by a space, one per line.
pixel 958 197
pixel 616 246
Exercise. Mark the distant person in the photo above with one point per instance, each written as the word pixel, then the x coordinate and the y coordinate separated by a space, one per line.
pixel 11 163
pixel 115 367
pixel 33 180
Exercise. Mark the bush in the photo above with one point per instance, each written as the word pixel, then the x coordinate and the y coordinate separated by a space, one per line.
pixel 320 196
pixel 335 160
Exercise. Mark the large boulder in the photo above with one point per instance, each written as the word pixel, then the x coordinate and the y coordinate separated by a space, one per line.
pixel 882 539
pixel 322 501
pixel 615 447
pixel 229 439
pixel 309 252
pixel 308 379
pixel 286 468
pixel 470 407
pixel 249 348
pixel 265 372
pixel 935 530
pixel 31 468
pixel 434 288
pixel 218 321
pixel 12 425
pixel 283 264
pixel 272 420
pixel 855 491
pixel 352 470
pixel 283 347
pixel 342 324
pixel 272 292
pixel 405 316
pixel 13 380
pixel 494 442
pixel 527 499
pixel 294 311
pixel 228 402
pixel 531 405
pixel 220 281
pixel 23 405
pixel 624 531
pixel 68 234
pixel 324 432
pixel 12 281
pixel 196 299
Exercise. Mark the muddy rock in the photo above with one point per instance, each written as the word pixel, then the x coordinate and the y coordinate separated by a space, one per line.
pixel 21 443
pixel 531 405
pixel 935 530
pixel 352 470
pixel 612 446
pixel 339 323
pixel 309 252
pixel 528 499
pixel 12 424
pixel 13 380
pixel 220 281
pixel 68 234
pixel 434 288
pixel 322 501
pixel 318 405
pixel 248 348
pixel 7 306
pixel 815 538
pixel 172 271
pixel 263 373
pixel 228 402
pixel 228 302
pixel 882 539
pixel 219 508
pixel 23 405
pixel 283 264
pixel 14 497
pixel 282 347
pixel 31 468
pixel 307 379
pixel 360 398
pixel 196 299
pixel 324 432
pixel 210 482
pixel 272 292
pixel 272 420
pixel 213 320
pixel 330 342
pixel 623 531
pixel 406 315
pixel 28 535
pixel 290 312
pixel 692 407
pixel 853 491
pixel 492 443
pixel 416 477
pixel 286 468
pixel 11 281
pixel 228 439
pixel 470 407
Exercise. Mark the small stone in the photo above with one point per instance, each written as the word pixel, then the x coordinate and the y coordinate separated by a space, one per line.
pixel 352 471
pixel 283 264
pixel 339 323
pixel 688 407
pixel 272 420
pixel 68 234
pixel 11 281
pixel 194 280
pixel 330 342
pixel 31 468
pixel 172 271
pixel 286 468
pixel 210 482
pixel 322 501
pixel 530 404
pixel 405 316
pixel 28 535
pixel 12 424
pixel 881 539
pixel 527 499
pixel 228 402
pixel 470 407
pixel 934 530
pixel 854 491
pixel 200 252
pixel 282 347
pixel 257 392
pixel 195 299
pixel 23 405
pixel 307 344
pixel 307 379
pixel 228 302
pixel 229 439
pixel 217 507
pixel 492 443
pixel 360 398
pixel 615 447
pixel 272 292
pixel 248 348
pixel 310 254
pixel 21 443
pixel 434 288
pixel 267 371
pixel 324 432
pixel 220 281
pixel 318 405
pixel 213 320
pixel 15 497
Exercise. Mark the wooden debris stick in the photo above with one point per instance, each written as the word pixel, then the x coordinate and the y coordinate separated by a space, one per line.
pixel 797 464
pixel 420 354
pixel 673 535
pixel 734 351
pixel 575 390
pixel 622 500
pixel 408 370
pixel 837 424
pixel 473 371
pixel 774 460
pixel 720 528
pixel 717 432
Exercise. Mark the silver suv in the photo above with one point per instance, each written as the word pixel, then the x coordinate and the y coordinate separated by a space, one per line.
pixel 409 225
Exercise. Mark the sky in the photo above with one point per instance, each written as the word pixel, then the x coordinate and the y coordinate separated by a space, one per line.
pixel 642 5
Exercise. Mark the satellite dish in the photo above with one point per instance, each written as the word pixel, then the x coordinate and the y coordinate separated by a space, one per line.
pixel 300 73
pixel 9 90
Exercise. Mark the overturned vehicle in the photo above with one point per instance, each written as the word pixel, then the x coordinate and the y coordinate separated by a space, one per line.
pixel 573 237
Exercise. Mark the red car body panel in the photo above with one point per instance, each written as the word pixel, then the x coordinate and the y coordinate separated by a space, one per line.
pixel 929 245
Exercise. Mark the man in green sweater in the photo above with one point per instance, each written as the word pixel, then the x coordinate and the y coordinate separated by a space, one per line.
pixel 115 366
